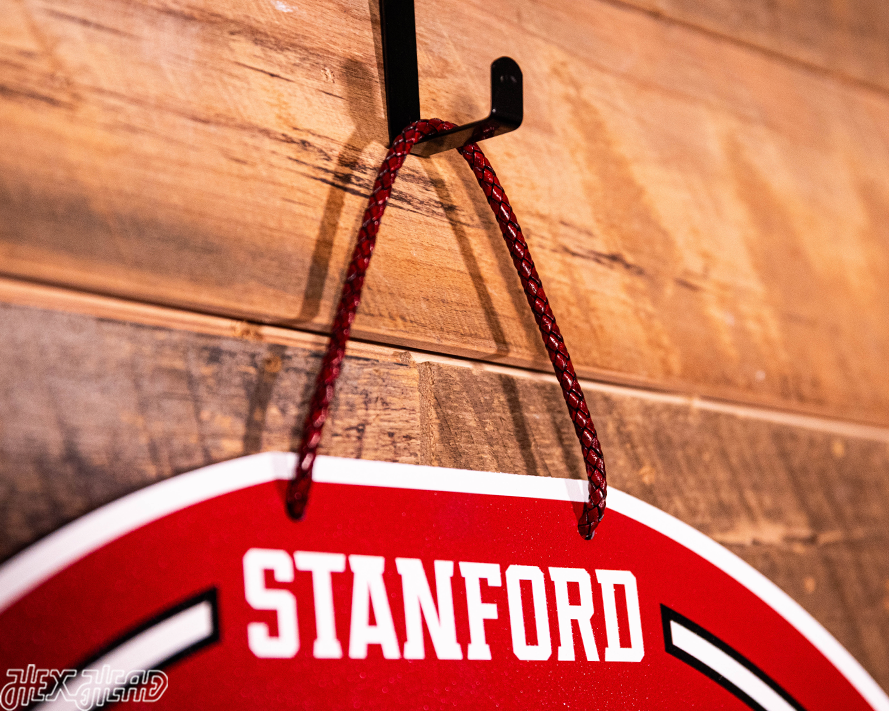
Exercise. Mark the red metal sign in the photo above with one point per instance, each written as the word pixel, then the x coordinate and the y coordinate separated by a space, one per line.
pixel 404 587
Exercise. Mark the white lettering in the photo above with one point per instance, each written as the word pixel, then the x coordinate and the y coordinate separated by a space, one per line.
pixel 321 565
pixel 567 612
pixel 261 642
pixel 418 601
pixel 369 589
pixel 479 611
pixel 520 647
pixel 372 620
pixel 614 652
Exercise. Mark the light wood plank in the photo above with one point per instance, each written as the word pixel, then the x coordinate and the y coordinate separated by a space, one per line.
pixel 95 408
pixel 849 38
pixel 706 218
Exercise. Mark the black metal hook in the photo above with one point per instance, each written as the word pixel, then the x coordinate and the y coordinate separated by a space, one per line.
pixel 403 86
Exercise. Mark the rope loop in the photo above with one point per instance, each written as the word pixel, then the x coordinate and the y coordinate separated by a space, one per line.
pixel 300 485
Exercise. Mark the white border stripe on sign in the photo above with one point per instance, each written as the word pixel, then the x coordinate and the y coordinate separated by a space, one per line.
pixel 728 668
pixel 34 565
pixel 144 652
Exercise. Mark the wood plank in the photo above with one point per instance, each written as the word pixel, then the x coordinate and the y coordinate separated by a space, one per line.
pixel 849 38
pixel 806 508
pixel 95 408
pixel 707 219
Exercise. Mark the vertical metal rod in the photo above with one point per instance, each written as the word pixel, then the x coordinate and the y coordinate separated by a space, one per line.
pixel 399 35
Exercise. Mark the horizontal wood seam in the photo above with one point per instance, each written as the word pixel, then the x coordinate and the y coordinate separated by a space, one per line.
pixel 53 298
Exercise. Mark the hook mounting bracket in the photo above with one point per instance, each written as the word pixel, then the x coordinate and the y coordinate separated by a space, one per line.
pixel 402 80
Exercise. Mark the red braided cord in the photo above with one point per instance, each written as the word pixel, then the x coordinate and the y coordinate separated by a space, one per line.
pixel 298 491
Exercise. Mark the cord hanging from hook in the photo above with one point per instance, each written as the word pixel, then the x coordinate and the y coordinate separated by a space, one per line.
pixel 300 485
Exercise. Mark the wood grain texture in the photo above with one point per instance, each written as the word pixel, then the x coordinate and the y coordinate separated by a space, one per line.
pixel 95 408
pixel 808 509
pixel 706 218
pixel 849 38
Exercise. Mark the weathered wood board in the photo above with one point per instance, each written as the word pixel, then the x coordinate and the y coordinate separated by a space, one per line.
pixel 849 38
pixel 94 408
pixel 706 217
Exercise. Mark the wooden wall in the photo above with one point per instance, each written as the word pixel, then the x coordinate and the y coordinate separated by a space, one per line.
pixel 704 185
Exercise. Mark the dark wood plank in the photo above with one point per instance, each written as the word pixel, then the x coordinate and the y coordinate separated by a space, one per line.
pixel 706 218
pixel 95 408
pixel 808 508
